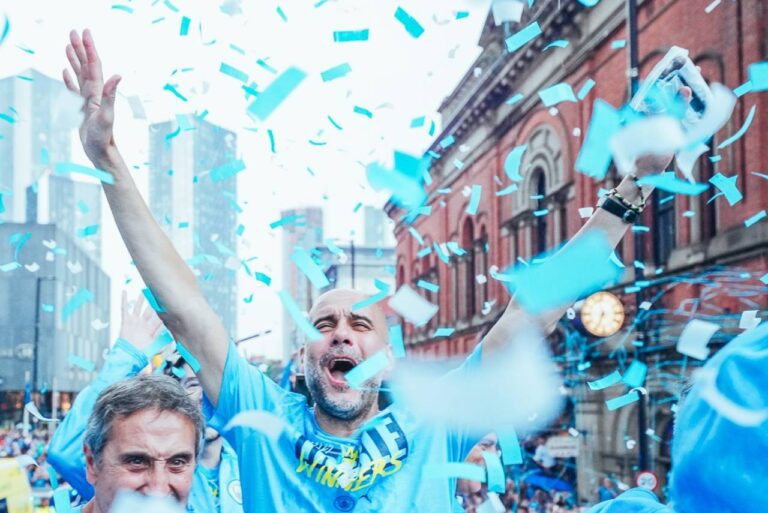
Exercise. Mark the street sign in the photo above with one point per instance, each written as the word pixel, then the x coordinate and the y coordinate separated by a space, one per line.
pixel 647 480
pixel 563 446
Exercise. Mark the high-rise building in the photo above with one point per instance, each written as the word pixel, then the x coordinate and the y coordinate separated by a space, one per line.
pixel 303 227
pixel 198 209
pixel 54 312
pixel 378 228
pixel 36 127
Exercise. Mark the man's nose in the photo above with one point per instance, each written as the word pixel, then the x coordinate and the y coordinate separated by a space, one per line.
pixel 158 481
pixel 341 335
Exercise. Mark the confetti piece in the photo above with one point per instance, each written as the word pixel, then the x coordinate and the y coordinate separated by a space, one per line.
pixel 271 136
pixel 336 72
pixel 188 357
pixel 276 93
pixel 428 286
pixel 411 306
pixel 608 381
pixel 758 75
pixel 263 278
pixel 124 8
pixel 711 7
pixel 515 98
pixel 447 141
pixel 507 11
pixel 558 43
pixel 152 300
pixel 263 64
pixel 695 337
pixel 586 212
pixel 749 320
pixel 512 162
pixel 743 130
pixel 424 252
pixel 594 157
pixel 6 30
pixel 508 190
pixel 82 297
pixel 404 181
pixel 332 247
pixel 558 93
pixel 311 270
pixel 668 182
pixel 227 170
pixel 495 472
pixel 334 123
pixel 585 89
pixel 656 135
pixel 522 37
pixel 755 218
pixel 416 235
pixel 474 200
pixel 743 89
pixel 581 267
pixel 184 29
pixel 347 36
pixel 79 361
pixel 63 168
pixel 418 122
pixel 396 341
pixel 634 376
pixel 367 369
pixel 510 446
pixel 444 332
pixel 233 72
pixel 88 231
pixel 280 13
pixel 413 27
pixel 618 44
pixel 287 220
pixel 375 298
pixel 541 213
pixel 172 89
pixel 622 400
pixel 363 111
pixel 460 15
pixel 727 185
pixel 264 422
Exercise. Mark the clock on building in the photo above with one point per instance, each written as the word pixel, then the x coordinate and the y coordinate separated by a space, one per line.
pixel 602 314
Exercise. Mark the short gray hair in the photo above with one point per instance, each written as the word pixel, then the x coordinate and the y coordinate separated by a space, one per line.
pixel 129 396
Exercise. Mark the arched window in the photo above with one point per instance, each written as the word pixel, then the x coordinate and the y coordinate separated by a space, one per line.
pixel 539 223
pixel 481 267
pixel 467 274
pixel 664 226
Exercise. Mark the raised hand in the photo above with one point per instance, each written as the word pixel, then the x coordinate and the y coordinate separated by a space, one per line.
pixel 140 325
pixel 96 131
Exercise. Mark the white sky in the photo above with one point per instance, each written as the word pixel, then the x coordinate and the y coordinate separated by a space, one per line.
pixel 393 75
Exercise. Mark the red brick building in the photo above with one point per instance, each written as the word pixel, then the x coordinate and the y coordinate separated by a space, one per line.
pixel 686 234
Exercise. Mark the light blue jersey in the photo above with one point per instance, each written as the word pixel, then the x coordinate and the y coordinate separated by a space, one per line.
pixel 65 452
pixel 636 500
pixel 385 468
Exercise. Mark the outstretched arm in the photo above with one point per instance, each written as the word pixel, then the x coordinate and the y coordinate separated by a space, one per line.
pixel 186 313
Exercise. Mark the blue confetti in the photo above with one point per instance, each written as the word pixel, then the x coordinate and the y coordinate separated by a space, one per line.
pixel 363 111
pixel 594 159
pixel 413 27
pixel 298 317
pixel 124 8
pixel 227 170
pixel 559 43
pixel 233 72
pixel 63 168
pixel 88 231
pixel 79 361
pixel 618 44
pixel 152 300
pixel 172 89
pixel 280 13
pixel 611 379
pixel 512 162
pixel 667 181
pixel 558 93
pixel 271 136
pixel 184 29
pixel 495 470
pixel 336 72
pixel 416 235
pixel 444 332
pixel 418 122
pixel 188 357
pixel 474 200
pixel 428 286
pixel 80 298
pixel 334 123
pixel 396 341
pixel 622 400
pixel 727 185
pixel 585 89
pixel 276 93
pixel 447 141
pixel 743 130
pixel 6 30
pixel 367 369
pixel 263 64
pixel 755 218
pixel 758 75
pixel 375 298
pixel 287 220
pixel 346 36
pixel 515 98
pixel 635 374
pixel 510 446
pixel 522 37
pixel 304 261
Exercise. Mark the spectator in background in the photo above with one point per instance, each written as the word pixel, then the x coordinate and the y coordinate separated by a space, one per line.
pixel 542 456
pixel 607 490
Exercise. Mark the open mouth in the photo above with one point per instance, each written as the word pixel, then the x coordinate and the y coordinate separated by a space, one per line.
pixel 338 367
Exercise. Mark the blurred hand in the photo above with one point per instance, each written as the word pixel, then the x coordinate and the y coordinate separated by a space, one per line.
pixel 96 132
pixel 140 325
pixel 652 164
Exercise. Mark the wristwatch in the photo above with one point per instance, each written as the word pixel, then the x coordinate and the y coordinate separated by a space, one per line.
pixel 627 215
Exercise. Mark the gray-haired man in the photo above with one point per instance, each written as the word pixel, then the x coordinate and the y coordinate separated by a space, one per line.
pixel 143 436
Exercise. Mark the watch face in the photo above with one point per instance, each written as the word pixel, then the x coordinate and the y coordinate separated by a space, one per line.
pixel 602 314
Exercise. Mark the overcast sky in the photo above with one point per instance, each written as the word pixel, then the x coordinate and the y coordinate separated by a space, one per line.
pixel 393 75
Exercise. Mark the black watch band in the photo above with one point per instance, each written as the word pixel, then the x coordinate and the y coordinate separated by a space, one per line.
pixel 609 204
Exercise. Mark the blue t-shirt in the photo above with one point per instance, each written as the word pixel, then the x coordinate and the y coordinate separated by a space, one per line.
pixel 636 500
pixel 383 468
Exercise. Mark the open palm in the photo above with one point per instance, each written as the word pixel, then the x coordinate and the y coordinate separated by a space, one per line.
pixel 96 131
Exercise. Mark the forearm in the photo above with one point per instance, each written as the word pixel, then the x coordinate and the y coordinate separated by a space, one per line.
pixel 186 312
pixel 514 318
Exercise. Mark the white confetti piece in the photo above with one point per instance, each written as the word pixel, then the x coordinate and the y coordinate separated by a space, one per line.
pixel 410 305
pixel 749 320
pixel 586 212
pixel 695 337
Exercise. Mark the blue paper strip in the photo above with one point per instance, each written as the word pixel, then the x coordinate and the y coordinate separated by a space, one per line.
pixel 559 43
pixel 557 93
pixel 191 360
pixel 495 471
pixel 595 155
pixel 336 72
pixel 727 185
pixel 396 341
pixel 276 93
pixel 152 301
pixel 311 270
pixel 622 400
pixel 607 381
pixel 172 89
pixel 363 111
pixel 755 218
pixel 513 161
pixel 79 299
pixel 667 181
pixel 379 296
pixel 413 27
pixel 743 130
pixel 510 446
pixel 233 72
pixel 525 35
pixel 444 332
pixel 428 286
pixel 634 376
pixel 758 75
pixel 585 89
pixel 79 361
pixel 184 29
pixel 474 200
pixel 228 170
pixel 346 36
pixel 63 168
pixel 367 369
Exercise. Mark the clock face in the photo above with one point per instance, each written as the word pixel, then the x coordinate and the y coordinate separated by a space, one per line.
pixel 602 314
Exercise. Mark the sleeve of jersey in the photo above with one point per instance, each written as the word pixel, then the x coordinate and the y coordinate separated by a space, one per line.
pixel 65 452
pixel 243 388
pixel 636 500
pixel 461 441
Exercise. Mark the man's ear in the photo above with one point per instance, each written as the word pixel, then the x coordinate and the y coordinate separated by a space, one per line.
pixel 91 468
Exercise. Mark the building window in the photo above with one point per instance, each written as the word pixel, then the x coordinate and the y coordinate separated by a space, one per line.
pixel 481 261
pixel 707 211
pixel 455 299
pixel 664 227
pixel 539 223
pixel 467 288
